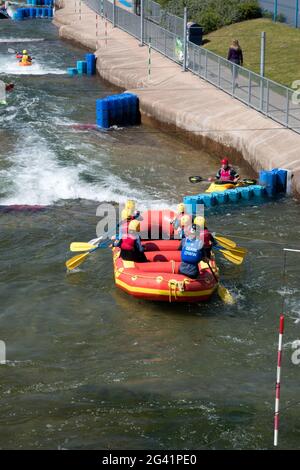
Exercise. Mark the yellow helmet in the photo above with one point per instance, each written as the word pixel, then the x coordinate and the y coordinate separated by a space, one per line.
pixel 180 208
pixel 24 52
pixel 130 205
pixel 199 220
pixel 134 225
pixel 185 220
pixel 126 214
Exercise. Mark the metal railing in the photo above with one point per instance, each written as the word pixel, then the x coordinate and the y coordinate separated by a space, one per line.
pixel 270 98
pixel 288 8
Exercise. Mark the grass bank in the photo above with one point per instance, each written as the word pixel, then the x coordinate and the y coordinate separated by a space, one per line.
pixel 282 47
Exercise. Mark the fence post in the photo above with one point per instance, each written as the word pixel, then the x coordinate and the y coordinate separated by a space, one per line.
pixel 184 40
pixel 142 23
pixel 262 53
pixel 287 107
pixel 114 14
pixel 275 10
pixel 296 13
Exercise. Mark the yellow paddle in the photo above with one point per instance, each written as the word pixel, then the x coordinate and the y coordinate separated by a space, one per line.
pixel 76 261
pixel 235 259
pixel 225 241
pixel 81 246
pixel 223 293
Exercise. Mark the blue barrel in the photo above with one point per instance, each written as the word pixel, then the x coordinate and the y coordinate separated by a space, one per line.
pixel 133 109
pixel 258 191
pixel 247 193
pixel 126 108
pixel 20 14
pixel 271 184
pixel 81 66
pixel 263 178
pixel 233 195
pixel 32 12
pixel 91 63
pixel 102 113
pixel 281 180
pixel 72 71
pixel 45 13
pixel 50 12
pixel 222 197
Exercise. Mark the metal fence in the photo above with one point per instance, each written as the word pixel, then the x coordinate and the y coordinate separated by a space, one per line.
pixel 288 9
pixel 278 102
pixel 156 14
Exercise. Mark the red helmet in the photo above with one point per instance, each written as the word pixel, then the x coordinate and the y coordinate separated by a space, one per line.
pixel 225 161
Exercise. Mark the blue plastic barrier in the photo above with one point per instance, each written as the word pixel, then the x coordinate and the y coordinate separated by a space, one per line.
pixel 32 12
pixel 121 110
pixel 81 66
pixel 91 64
pixel 72 71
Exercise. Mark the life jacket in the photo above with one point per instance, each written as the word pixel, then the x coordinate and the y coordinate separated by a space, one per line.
pixel 192 251
pixel 25 58
pixel 128 243
pixel 226 174
pixel 206 236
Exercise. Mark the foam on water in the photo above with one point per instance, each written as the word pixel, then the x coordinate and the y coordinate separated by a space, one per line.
pixel 9 65
pixel 36 177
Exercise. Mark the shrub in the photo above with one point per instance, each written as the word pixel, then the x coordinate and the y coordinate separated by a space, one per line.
pixel 248 10
pixel 209 20
pixel 281 18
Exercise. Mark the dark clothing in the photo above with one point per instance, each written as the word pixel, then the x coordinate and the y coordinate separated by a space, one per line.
pixel 136 253
pixel 235 55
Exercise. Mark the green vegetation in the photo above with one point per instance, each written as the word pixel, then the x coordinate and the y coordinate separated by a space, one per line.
pixel 213 14
pixel 282 47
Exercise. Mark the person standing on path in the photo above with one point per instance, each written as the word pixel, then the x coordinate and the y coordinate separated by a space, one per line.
pixel 235 55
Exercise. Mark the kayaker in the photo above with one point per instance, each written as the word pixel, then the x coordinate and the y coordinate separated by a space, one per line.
pixel 191 254
pixel 179 213
pixel 25 57
pixel 205 235
pixel 128 213
pixel 227 173
pixel 131 244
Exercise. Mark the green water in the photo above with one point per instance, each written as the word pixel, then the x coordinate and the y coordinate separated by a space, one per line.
pixel 89 367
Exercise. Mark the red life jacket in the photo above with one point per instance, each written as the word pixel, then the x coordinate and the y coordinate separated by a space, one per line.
pixel 128 243
pixel 225 174
pixel 206 238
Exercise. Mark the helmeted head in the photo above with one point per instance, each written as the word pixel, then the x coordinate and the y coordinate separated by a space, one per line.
pixel 24 51
pixel 180 208
pixel 185 220
pixel 134 226
pixel 225 162
pixel 126 214
pixel 199 221
pixel 130 205
pixel 192 231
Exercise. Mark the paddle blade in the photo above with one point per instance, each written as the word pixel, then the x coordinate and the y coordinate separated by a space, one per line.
pixel 225 295
pixel 225 241
pixel 239 251
pixel 232 258
pixel 11 51
pixel 76 261
pixel 81 246
pixel 195 179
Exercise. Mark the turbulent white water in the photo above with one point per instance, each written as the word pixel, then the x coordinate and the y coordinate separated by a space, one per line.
pixel 35 176
pixel 10 65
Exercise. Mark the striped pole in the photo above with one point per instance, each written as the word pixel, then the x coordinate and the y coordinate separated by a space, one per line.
pixel 97 31
pixel 149 61
pixel 277 388
pixel 80 10
pixel 105 30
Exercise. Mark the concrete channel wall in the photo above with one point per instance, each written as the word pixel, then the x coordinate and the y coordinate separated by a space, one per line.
pixel 179 100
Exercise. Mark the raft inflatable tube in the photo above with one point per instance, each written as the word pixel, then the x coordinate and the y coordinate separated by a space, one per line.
pixel 159 278
pixel 25 64
pixel 19 56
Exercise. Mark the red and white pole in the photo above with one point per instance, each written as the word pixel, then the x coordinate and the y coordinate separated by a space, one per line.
pixel 277 398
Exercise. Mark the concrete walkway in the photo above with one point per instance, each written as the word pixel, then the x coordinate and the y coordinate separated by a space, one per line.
pixel 181 100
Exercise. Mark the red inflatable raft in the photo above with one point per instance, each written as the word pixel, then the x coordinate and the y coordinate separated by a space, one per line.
pixel 159 278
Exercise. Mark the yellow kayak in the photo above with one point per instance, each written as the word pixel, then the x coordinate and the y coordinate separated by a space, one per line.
pixel 217 187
